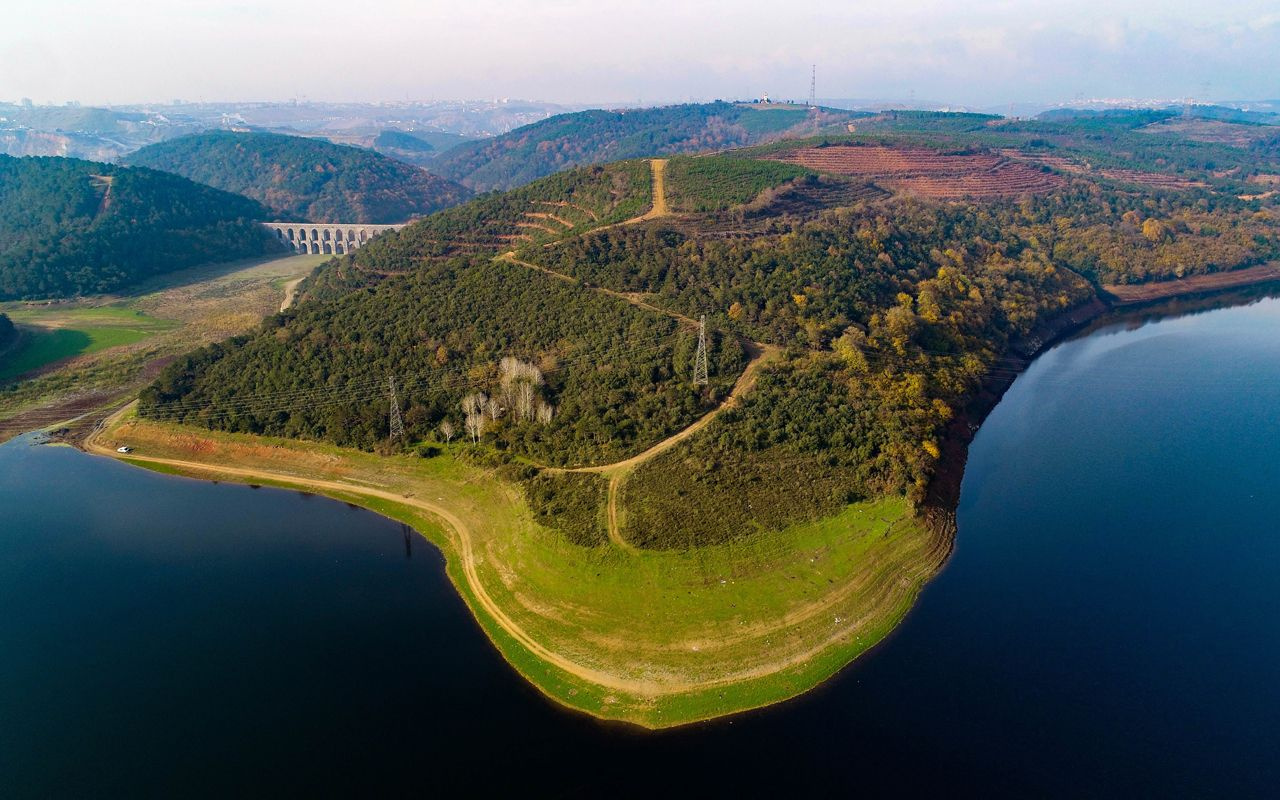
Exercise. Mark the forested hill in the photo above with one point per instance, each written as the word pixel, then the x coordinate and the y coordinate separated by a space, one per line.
pixel 887 274
pixel 305 179
pixel 594 137
pixel 77 227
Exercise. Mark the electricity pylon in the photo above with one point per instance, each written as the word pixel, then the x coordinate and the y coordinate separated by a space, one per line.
pixel 700 360
pixel 396 424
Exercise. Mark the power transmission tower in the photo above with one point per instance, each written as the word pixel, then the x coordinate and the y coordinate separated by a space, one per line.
pixel 813 87
pixel 396 424
pixel 700 360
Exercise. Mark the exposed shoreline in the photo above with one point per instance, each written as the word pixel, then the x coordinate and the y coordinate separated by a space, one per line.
pixel 1141 294
pixel 765 659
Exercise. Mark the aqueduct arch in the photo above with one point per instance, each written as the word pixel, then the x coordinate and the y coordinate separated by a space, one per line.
pixel 336 238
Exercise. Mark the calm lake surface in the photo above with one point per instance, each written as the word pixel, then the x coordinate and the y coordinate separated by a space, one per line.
pixel 1109 624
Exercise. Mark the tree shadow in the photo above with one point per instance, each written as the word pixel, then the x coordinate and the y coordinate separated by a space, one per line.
pixel 38 348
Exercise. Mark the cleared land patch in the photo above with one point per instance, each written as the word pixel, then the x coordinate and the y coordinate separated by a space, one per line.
pixel 1213 131
pixel 1155 180
pixel 925 172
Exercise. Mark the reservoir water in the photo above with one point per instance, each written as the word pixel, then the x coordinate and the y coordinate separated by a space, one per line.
pixel 1109 624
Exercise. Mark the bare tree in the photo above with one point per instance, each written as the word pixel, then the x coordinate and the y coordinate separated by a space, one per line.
pixel 474 403
pixel 545 412
pixel 494 408
pixel 447 431
pixel 518 386
pixel 524 400
pixel 475 426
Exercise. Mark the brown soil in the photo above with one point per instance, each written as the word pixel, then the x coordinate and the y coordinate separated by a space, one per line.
pixel 290 293
pixel 928 173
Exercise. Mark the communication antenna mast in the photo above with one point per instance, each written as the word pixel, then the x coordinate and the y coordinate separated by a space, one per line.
pixel 396 424
pixel 700 360
pixel 813 87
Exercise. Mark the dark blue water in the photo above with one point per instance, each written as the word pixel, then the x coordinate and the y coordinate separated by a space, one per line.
pixel 1108 626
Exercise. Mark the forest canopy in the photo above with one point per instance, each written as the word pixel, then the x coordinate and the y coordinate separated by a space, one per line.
pixel 70 227
pixel 304 179
pixel 883 311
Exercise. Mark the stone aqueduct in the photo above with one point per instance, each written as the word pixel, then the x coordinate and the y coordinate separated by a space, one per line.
pixel 329 237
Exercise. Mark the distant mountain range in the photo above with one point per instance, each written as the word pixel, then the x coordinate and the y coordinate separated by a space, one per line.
pixel 105 134
pixel 304 178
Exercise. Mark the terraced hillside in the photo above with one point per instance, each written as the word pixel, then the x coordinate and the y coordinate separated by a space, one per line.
pixel 557 207
pixel 1076 166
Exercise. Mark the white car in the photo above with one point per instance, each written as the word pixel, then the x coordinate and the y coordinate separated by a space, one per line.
pixel 124 448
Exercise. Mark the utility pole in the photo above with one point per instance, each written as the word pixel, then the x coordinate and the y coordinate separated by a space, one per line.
pixel 700 360
pixel 396 424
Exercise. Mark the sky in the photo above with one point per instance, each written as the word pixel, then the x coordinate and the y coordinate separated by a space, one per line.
pixel 979 53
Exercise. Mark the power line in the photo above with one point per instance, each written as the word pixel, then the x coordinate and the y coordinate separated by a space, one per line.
pixel 700 360
pixel 395 424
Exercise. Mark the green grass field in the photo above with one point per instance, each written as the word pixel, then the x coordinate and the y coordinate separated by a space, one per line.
pixel 657 638
pixel 51 334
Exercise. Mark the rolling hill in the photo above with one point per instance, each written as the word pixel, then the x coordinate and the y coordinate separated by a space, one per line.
pixel 419 148
pixel 594 137
pixel 895 272
pixel 862 296
pixel 305 179
pixel 77 227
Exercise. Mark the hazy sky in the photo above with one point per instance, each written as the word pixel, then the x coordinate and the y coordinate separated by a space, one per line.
pixel 980 52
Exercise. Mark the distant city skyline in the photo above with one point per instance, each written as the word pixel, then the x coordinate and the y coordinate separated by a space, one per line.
pixel 985 54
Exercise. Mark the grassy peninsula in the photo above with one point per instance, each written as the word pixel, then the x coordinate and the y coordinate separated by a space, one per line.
pixel 643 544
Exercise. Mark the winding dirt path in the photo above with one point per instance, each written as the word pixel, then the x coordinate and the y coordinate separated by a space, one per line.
pixel 760 353
pixel 619 470
pixel 633 298
pixel 290 293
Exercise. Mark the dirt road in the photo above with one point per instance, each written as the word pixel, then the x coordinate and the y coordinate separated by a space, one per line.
pixel 618 471
pixel 290 292
pixel 659 167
